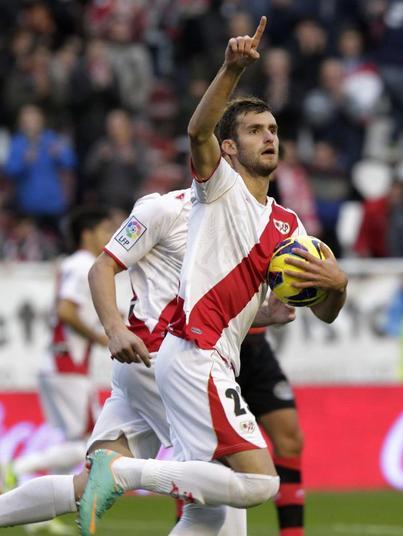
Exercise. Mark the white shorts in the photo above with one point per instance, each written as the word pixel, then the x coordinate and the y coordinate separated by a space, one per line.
pixel 69 403
pixel 135 410
pixel 209 418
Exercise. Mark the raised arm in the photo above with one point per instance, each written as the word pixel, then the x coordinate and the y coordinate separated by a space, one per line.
pixel 204 146
pixel 124 345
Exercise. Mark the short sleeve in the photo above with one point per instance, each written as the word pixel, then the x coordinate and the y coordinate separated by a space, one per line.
pixel 223 179
pixel 73 283
pixel 300 229
pixel 148 222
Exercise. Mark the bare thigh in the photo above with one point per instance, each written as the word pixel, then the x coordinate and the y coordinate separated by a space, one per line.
pixel 257 461
pixel 119 445
pixel 283 428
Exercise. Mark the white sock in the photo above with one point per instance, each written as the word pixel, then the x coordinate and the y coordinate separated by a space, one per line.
pixel 60 457
pixel 235 522
pixel 198 520
pixel 202 482
pixel 39 499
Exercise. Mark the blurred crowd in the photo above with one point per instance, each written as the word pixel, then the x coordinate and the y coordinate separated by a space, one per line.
pixel 96 96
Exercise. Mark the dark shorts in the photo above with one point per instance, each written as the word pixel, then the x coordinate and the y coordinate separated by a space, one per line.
pixel 264 386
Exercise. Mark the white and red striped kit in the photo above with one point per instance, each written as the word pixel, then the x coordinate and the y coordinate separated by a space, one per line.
pixel 231 238
pixel 151 244
pixel 66 392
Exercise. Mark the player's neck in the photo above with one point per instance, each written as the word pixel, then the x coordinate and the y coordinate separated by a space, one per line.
pixel 90 248
pixel 258 187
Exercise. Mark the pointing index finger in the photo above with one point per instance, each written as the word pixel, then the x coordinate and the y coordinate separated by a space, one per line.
pixel 259 31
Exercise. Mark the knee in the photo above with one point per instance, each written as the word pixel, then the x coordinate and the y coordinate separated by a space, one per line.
pixel 290 444
pixel 265 490
pixel 259 489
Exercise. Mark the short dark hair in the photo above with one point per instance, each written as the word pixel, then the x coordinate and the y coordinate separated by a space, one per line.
pixel 81 219
pixel 227 126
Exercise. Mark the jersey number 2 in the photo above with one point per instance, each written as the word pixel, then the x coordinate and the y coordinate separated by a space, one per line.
pixel 238 409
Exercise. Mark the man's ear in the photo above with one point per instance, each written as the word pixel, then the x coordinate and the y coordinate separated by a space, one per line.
pixel 229 148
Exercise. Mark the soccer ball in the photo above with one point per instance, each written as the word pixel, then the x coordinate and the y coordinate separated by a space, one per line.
pixel 281 283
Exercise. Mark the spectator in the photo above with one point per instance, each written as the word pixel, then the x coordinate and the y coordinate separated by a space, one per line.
pixel 331 187
pixel 381 230
pixel 131 63
pixel 64 61
pixel 332 73
pixel 22 240
pixel 389 54
pixel 362 85
pixel 115 168
pixel 395 227
pixel 295 188
pixel 40 164
pixel 280 91
pixel 30 82
pixel 308 50
pixel 328 115
pixel 93 93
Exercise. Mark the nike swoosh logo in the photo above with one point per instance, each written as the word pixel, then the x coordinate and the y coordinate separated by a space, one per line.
pixel 93 526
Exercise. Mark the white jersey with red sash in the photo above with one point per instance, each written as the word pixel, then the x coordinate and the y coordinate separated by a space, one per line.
pixel 151 243
pixel 231 238
pixel 69 351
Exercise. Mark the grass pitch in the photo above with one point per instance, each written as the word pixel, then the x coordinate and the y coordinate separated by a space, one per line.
pixel 327 514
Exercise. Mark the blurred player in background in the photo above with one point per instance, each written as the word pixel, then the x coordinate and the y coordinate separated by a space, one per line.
pixel 233 230
pixel 68 400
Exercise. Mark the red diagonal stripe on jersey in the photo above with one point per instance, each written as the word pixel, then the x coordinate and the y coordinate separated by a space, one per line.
pixel 228 441
pixel 223 302
pixel 153 339
pixel 64 362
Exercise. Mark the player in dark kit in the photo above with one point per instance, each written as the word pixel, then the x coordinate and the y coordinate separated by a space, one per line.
pixel 270 398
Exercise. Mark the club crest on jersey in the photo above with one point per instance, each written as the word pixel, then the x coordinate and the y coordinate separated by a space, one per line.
pixel 248 427
pixel 281 226
pixel 130 233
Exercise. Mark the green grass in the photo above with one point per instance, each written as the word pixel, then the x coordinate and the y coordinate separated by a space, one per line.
pixel 327 514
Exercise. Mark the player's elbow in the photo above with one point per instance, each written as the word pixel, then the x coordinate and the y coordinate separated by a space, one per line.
pixel 67 312
pixel 327 313
pixel 328 317
pixel 196 134
pixel 103 268
pixel 93 273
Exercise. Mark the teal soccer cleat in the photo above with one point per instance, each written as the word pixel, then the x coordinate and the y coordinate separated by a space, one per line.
pixel 100 492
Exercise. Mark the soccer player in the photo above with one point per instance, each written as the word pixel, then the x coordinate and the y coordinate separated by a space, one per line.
pixel 233 230
pixel 66 393
pixel 269 395
pixel 151 243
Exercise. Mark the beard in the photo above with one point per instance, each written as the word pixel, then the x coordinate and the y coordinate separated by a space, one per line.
pixel 255 165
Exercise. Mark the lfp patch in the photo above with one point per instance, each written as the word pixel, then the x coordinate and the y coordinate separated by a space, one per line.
pixel 130 233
